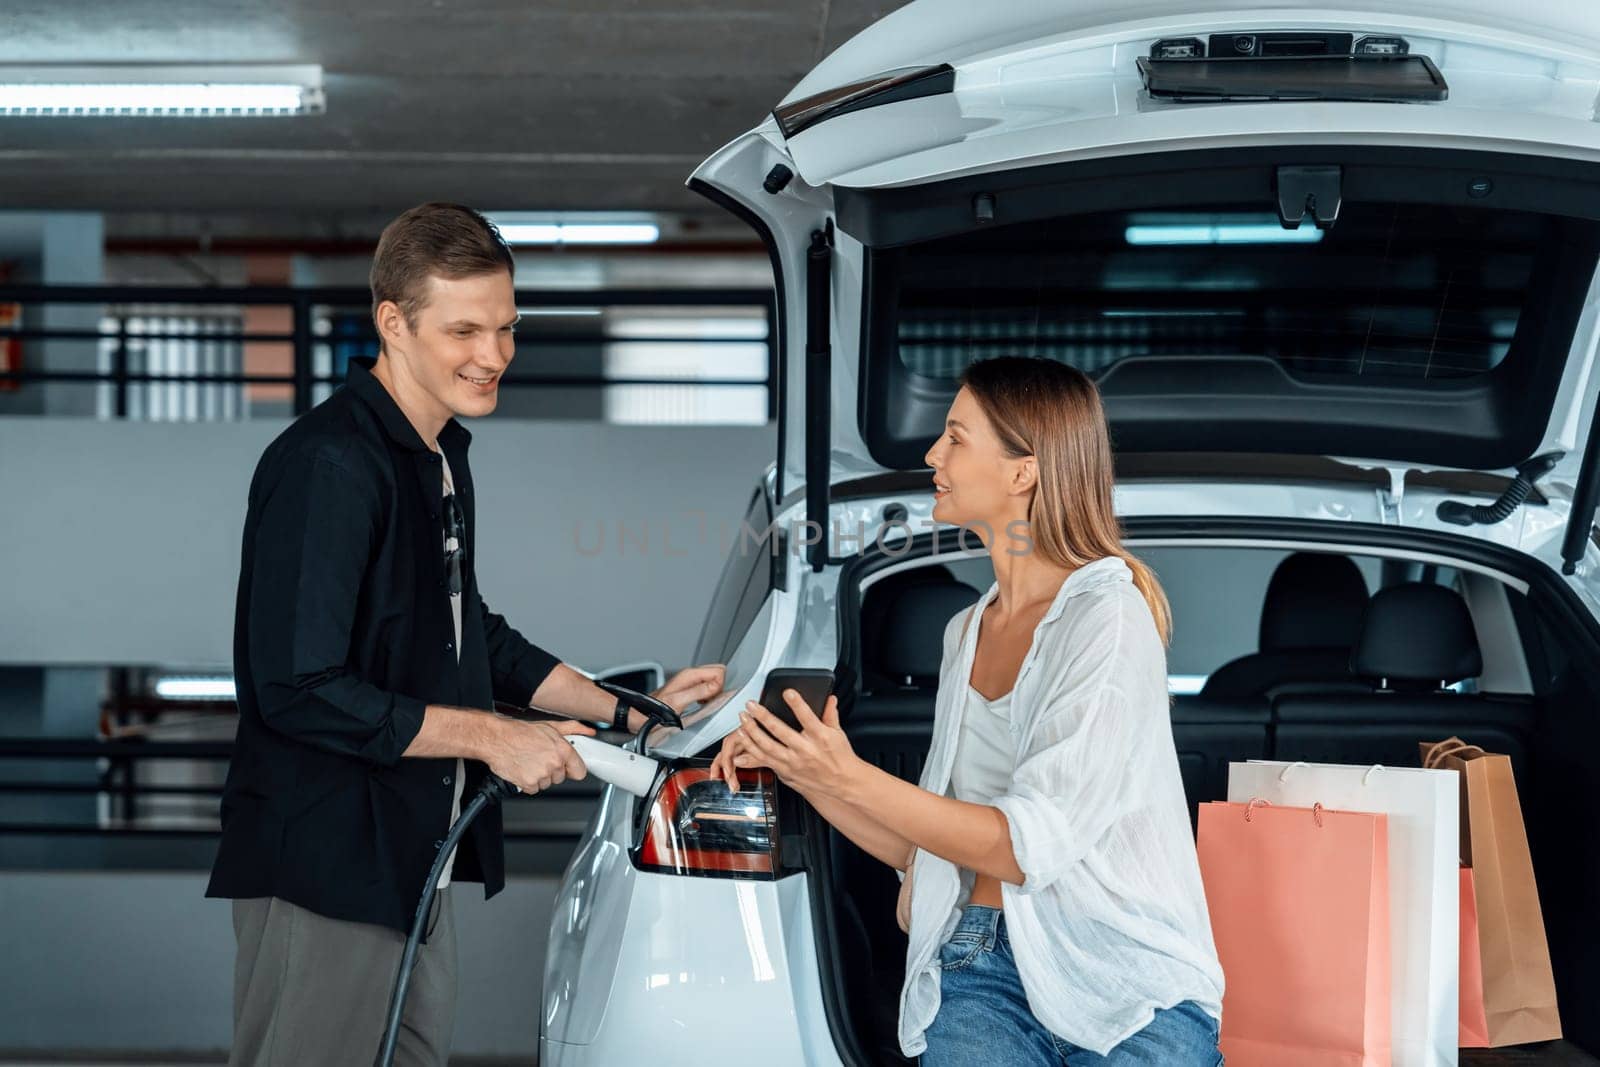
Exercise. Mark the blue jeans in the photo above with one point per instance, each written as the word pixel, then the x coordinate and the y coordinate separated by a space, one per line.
pixel 984 1016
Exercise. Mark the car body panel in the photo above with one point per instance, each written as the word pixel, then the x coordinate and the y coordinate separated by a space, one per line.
pixel 654 968
pixel 927 32
pixel 1077 94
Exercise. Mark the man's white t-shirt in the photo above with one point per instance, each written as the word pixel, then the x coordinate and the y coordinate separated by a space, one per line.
pixel 455 614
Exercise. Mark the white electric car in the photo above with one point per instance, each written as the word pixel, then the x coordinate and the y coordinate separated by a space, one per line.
pixel 1333 268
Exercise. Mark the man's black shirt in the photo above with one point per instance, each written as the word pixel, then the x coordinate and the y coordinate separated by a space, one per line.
pixel 342 636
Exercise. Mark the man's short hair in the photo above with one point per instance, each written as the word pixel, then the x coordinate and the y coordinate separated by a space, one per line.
pixel 448 240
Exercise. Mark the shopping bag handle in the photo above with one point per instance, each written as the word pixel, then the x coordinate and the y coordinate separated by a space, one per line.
pixel 1283 776
pixel 1453 746
pixel 1316 809
pixel 1365 778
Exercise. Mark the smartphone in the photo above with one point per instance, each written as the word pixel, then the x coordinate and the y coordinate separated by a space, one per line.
pixel 812 683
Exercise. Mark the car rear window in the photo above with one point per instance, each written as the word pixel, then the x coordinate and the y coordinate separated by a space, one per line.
pixel 1411 291
pixel 745 584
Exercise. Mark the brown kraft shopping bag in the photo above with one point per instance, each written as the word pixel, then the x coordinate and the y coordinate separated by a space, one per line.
pixel 1519 989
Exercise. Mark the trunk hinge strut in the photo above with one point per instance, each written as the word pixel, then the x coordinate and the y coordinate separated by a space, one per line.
pixel 819 386
pixel 1585 496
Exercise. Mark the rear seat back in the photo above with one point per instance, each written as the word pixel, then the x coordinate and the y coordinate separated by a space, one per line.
pixel 1209 734
pixel 903 621
pixel 890 726
pixel 1416 640
pixel 1310 621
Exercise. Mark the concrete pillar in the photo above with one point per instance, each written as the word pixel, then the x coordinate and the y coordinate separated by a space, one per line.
pixel 54 248
pixel 71 252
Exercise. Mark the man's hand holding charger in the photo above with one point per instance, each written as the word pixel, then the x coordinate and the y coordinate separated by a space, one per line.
pixel 536 755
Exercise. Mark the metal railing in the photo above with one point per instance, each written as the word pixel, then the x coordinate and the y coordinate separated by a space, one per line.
pixel 119 781
pixel 137 775
pixel 312 311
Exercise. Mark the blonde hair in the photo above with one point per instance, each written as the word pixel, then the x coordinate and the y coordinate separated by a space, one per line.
pixel 1051 411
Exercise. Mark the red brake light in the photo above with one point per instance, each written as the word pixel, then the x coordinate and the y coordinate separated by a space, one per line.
pixel 696 827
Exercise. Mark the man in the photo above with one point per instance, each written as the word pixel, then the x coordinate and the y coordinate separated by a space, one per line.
pixel 367 665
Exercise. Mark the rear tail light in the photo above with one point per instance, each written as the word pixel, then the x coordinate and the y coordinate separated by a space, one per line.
pixel 694 826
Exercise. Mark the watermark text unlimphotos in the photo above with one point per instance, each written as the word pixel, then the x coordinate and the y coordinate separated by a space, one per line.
pixel 676 536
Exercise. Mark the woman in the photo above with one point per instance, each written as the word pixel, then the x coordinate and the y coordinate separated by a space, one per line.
pixel 1056 910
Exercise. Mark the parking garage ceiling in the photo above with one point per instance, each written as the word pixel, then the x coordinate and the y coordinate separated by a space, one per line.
pixel 506 104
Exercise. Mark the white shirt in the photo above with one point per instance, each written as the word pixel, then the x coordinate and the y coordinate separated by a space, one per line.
pixel 986 749
pixel 455 617
pixel 1110 922
pixel 985 755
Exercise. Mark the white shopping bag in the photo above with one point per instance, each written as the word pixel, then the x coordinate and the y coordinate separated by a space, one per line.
pixel 1424 810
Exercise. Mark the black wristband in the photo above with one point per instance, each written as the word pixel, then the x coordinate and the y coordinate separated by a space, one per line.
pixel 619 715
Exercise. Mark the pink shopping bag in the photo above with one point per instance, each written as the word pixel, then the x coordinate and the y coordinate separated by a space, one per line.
pixel 1299 902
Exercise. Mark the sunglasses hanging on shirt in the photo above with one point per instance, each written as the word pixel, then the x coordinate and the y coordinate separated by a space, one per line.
pixel 455 532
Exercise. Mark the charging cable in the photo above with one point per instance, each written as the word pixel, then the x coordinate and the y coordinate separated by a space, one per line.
pixel 490 792
pixel 630 772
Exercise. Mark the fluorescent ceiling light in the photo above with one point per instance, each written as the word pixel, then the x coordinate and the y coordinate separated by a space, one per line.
pixel 580 233
pixel 530 233
pixel 1170 313
pixel 693 328
pixel 195 688
pixel 1226 233
pixel 560 312
pixel 140 91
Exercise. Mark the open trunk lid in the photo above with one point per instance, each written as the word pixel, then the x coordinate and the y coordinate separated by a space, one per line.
pixel 1011 186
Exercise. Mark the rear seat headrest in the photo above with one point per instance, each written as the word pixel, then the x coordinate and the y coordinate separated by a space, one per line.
pixel 1315 600
pixel 1420 633
pixel 912 639
pixel 879 597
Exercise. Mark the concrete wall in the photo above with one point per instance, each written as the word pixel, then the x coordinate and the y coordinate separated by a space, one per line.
pixel 105 962
pixel 599 542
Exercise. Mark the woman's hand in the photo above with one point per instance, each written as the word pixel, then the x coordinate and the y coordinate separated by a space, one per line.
pixel 723 766
pixel 692 685
pixel 902 903
pixel 816 757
